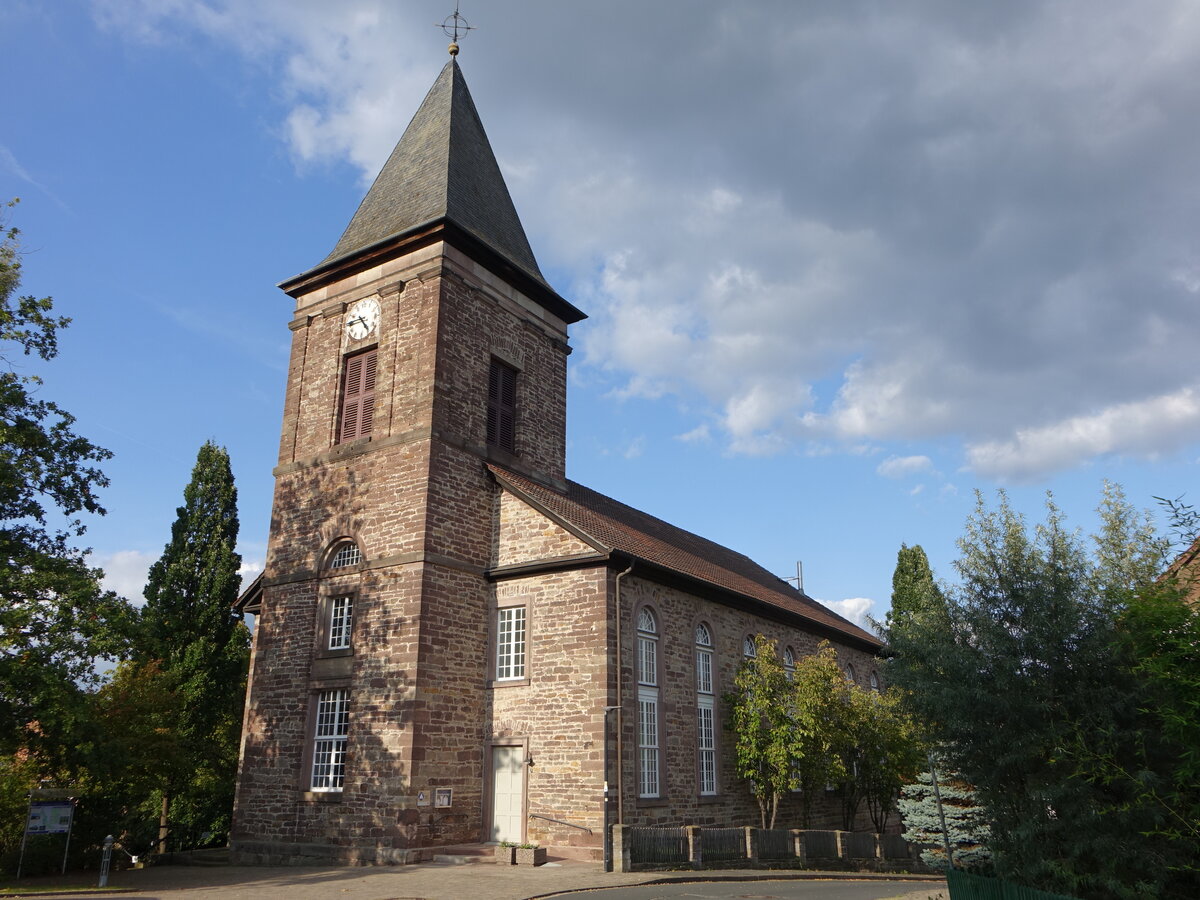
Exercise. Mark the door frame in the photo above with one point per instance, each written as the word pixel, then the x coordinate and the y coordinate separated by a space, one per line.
pixel 489 789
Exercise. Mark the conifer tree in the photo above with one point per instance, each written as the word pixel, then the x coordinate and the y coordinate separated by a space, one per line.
pixel 200 644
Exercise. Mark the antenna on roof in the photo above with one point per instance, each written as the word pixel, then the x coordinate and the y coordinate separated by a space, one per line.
pixel 452 25
pixel 799 579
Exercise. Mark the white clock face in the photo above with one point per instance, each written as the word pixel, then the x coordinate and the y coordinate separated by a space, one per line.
pixel 362 318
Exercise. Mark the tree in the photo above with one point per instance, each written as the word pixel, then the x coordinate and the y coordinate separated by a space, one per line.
pixel 885 753
pixel 1023 679
pixel 966 820
pixel 820 709
pixel 55 621
pixel 190 630
pixel 764 734
pixel 913 586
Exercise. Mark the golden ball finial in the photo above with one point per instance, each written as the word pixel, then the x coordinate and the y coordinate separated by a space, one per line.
pixel 453 48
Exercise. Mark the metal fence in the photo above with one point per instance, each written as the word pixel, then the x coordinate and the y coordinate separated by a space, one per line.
pixel 964 886
pixel 775 843
pixel 667 846
pixel 724 844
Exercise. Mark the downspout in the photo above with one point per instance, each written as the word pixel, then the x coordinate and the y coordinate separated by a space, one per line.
pixel 620 709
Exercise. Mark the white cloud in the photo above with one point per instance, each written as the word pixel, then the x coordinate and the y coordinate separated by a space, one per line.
pixel 904 466
pixel 856 609
pixel 1145 428
pixel 914 222
pixel 125 573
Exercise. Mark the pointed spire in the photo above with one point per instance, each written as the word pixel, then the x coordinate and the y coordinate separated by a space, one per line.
pixel 443 168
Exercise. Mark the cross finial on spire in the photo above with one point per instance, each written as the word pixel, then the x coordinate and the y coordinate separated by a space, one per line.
pixel 453 25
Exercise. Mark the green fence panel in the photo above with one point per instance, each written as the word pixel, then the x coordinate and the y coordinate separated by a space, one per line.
pixel 964 886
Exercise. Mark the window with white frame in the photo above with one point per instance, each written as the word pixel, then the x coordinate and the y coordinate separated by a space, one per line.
pixel 850 673
pixel 329 740
pixel 510 643
pixel 749 648
pixel 341 617
pixel 789 663
pixel 706 733
pixel 874 682
pixel 648 737
pixel 347 554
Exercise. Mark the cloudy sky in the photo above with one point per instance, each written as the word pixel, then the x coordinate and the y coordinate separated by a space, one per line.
pixel 845 263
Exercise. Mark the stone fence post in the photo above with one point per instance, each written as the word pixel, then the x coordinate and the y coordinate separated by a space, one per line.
pixel 841 844
pixel 695 841
pixel 798 846
pixel 620 842
pixel 751 846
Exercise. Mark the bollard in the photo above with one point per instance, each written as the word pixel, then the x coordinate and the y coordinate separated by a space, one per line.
pixel 105 861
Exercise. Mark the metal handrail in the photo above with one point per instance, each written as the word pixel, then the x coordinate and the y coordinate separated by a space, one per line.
pixel 560 822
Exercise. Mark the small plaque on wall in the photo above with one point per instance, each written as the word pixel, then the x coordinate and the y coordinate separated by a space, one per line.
pixel 442 797
pixel 422 798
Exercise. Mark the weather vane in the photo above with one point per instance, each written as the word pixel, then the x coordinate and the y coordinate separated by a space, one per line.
pixel 453 26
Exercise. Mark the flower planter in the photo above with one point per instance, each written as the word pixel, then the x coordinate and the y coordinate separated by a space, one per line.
pixel 531 856
pixel 506 856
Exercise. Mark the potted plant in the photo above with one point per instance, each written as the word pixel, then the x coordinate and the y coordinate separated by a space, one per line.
pixel 530 855
pixel 506 853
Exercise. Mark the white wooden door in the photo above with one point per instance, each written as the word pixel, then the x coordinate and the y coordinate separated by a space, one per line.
pixel 508 794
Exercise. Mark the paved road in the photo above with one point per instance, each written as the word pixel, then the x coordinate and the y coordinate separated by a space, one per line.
pixel 480 881
pixel 764 890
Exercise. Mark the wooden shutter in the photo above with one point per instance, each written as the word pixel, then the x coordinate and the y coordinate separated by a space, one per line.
pixel 502 407
pixel 358 396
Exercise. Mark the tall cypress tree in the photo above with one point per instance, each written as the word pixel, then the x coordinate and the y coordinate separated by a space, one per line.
pixel 201 646
pixel 913 587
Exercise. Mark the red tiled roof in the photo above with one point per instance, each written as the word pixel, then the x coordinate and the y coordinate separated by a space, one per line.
pixel 616 526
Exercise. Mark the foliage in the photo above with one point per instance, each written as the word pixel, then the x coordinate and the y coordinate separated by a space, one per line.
pixel 814 729
pixel 1031 678
pixel 884 753
pixel 966 820
pixel 200 648
pixel 913 587
pixel 764 742
pixel 55 621
pixel 820 710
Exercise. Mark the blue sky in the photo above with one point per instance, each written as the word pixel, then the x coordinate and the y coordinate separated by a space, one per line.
pixel 845 264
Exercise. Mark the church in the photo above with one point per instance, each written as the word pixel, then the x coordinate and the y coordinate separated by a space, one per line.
pixel 455 643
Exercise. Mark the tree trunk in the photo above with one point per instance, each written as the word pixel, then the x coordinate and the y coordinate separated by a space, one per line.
pixel 162 825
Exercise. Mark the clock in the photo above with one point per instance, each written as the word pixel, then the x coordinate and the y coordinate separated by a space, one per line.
pixel 362 318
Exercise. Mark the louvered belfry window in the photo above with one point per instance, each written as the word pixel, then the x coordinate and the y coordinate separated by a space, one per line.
pixel 358 396
pixel 502 407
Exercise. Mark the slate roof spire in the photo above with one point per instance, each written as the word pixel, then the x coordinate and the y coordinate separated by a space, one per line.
pixel 443 168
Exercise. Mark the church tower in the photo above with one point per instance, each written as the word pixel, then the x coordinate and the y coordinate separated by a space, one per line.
pixel 424 347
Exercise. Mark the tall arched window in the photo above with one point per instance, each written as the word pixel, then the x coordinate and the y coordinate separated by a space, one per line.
pixel 874 681
pixel 706 732
pixel 648 756
pixel 850 676
pixel 789 663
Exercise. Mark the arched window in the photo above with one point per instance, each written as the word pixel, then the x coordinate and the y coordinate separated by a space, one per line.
pixel 749 648
pixel 789 663
pixel 874 681
pixel 850 677
pixel 344 555
pixel 648 745
pixel 706 732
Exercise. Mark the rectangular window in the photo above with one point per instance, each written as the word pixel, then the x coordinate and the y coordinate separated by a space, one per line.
pixel 502 407
pixel 647 661
pixel 510 643
pixel 341 616
pixel 704 683
pixel 358 396
pixel 648 743
pixel 329 740
pixel 706 740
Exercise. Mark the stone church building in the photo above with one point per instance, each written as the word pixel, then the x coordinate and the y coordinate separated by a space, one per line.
pixel 454 642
